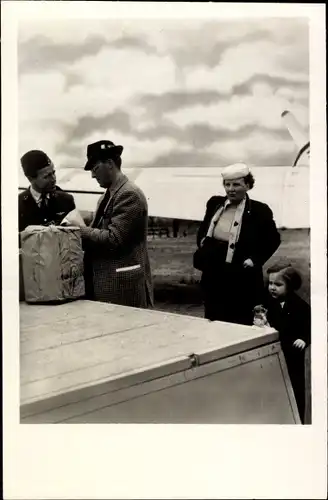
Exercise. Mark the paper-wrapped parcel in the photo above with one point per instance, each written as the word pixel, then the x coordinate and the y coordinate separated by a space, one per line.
pixel 52 259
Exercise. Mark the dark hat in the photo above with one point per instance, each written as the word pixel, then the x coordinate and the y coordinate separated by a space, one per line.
pixel 34 160
pixel 102 150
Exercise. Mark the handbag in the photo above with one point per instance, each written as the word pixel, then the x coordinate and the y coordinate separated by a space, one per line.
pixel 211 255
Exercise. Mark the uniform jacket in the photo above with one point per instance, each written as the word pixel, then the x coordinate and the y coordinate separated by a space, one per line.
pixel 59 205
pixel 258 238
pixel 117 243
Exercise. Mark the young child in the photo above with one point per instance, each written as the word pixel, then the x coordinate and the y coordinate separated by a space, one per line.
pixel 291 317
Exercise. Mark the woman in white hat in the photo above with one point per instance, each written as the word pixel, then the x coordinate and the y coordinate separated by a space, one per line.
pixel 235 239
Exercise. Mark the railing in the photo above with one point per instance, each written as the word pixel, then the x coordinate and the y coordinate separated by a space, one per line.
pixel 75 191
pixel 159 231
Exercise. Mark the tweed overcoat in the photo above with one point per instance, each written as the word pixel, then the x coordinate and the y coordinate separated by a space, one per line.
pixel 59 205
pixel 115 244
pixel 232 292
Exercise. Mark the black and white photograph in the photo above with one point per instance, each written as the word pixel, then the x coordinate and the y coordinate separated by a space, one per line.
pixel 170 131
pixel 164 227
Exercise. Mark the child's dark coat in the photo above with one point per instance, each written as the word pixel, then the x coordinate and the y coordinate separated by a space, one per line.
pixel 293 321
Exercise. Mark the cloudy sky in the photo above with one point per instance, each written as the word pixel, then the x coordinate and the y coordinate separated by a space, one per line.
pixel 173 93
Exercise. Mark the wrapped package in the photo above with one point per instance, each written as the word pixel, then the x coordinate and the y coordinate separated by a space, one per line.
pixel 52 259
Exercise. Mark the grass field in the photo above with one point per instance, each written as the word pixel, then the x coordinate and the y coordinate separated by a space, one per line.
pixel 176 282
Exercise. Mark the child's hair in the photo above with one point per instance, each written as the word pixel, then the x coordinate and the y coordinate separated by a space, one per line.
pixel 291 277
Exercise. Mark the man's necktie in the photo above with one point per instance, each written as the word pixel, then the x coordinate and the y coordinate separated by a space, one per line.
pixel 88 269
pixel 101 208
pixel 43 202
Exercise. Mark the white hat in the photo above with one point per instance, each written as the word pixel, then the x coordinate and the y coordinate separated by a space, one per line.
pixel 235 171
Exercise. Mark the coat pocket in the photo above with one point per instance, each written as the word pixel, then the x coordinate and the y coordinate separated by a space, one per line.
pixel 128 268
pixel 129 286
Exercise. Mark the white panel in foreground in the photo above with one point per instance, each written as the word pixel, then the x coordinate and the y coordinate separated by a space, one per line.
pixel 253 392
pixel 94 362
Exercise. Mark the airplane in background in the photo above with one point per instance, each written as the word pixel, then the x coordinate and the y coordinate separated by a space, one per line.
pixel 182 192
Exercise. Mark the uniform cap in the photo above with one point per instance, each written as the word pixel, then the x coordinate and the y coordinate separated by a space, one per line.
pixel 34 160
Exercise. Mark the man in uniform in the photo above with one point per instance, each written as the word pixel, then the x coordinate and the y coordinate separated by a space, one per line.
pixel 117 265
pixel 43 203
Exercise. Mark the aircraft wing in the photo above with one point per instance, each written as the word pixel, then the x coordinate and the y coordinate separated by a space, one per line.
pixel 182 192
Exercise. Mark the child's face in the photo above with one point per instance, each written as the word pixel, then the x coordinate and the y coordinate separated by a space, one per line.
pixel 277 286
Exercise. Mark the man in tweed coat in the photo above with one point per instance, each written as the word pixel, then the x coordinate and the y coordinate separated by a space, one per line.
pixel 117 265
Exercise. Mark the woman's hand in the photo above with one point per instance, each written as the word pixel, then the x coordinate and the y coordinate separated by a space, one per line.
pixel 300 344
pixel 248 263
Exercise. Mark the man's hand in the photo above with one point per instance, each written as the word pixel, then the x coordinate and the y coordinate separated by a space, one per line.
pixel 299 344
pixel 73 218
pixel 248 263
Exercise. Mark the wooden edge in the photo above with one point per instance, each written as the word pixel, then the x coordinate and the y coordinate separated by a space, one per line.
pixel 289 387
pixel 105 386
pixel 230 350
pixel 64 414
pixel 77 408
pixel 97 387
pixel 234 360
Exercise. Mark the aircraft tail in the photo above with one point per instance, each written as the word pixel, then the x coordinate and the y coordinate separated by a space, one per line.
pixel 299 137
